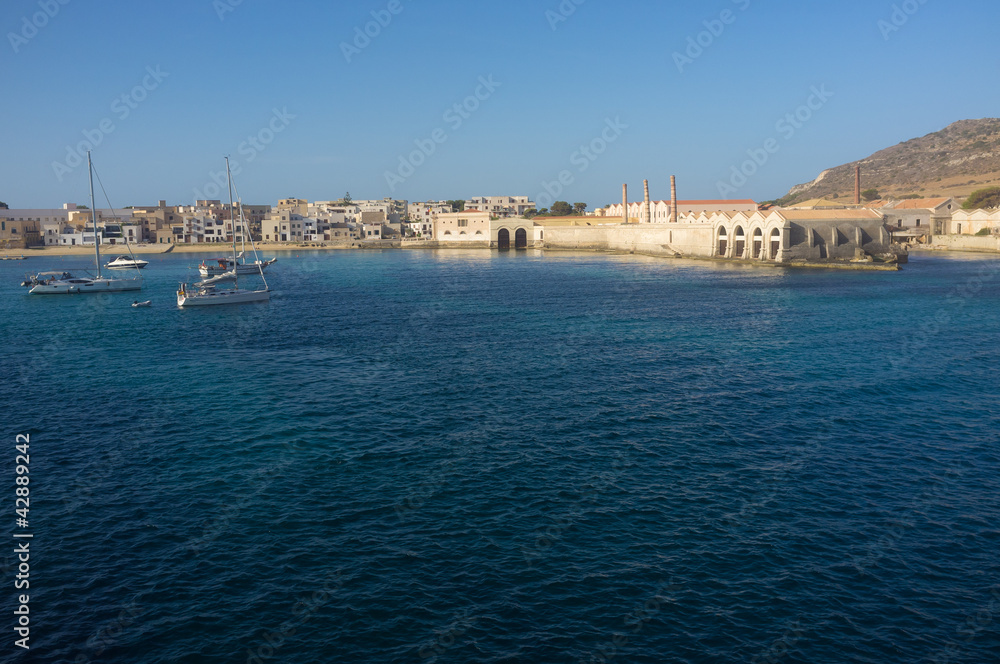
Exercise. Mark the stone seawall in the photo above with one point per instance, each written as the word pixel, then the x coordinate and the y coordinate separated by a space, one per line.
pixel 984 243
pixel 692 240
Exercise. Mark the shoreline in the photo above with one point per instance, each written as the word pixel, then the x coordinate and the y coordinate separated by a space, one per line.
pixel 267 247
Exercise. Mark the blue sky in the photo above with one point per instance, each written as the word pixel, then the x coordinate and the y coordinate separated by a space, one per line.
pixel 167 89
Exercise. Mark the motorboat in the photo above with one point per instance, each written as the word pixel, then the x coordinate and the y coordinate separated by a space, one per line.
pixel 126 263
pixel 138 304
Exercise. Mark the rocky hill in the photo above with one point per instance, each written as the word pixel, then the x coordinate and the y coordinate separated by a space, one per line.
pixel 952 162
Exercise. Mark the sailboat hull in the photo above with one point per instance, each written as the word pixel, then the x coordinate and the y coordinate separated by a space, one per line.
pixel 213 297
pixel 75 286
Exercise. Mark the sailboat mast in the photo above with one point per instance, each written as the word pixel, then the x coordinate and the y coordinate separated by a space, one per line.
pixel 93 214
pixel 232 219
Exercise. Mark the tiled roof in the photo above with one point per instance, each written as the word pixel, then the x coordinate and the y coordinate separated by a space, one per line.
pixel 857 213
pixel 920 204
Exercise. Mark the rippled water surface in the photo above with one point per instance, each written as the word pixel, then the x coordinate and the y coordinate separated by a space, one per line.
pixel 478 457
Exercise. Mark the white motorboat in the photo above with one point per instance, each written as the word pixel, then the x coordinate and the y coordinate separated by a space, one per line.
pixel 207 293
pixel 216 266
pixel 63 283
pixel 138 304
pixel 126 263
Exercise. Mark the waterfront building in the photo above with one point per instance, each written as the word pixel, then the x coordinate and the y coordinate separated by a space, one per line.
pixel 514 233
pixel 776 235
pixel 466 226
pixel 660 210
pixel 931 214
pixel 972 222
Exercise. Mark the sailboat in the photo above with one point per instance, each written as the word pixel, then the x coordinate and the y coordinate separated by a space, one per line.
pixel 207 293
pixel 64 283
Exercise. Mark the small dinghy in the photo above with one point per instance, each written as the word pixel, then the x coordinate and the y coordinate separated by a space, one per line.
pixel 147 303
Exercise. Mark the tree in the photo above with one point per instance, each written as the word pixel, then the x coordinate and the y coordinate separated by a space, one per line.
pixel 528 214
pixel 561 209
pixel 544 212
pixel 456 205
pixel 82 207
pixel 3 206
pixel 579 208
pixel 869 194
pixel 347 198
pixel 982 199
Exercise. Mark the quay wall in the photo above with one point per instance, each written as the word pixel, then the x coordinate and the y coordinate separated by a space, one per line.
pixel 981 243
pixel 693 240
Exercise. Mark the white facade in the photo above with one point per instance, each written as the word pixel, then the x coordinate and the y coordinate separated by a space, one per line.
pixel 501 206
pixel 473 226
pixel 972 222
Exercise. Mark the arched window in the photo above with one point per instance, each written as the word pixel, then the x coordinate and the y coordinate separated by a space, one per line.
pixel 775 243
pixel 723 244
pixel 758 243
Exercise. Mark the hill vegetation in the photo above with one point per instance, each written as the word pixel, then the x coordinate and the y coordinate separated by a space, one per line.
pixel 952 162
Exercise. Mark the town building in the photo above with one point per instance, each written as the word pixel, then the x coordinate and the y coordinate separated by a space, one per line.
pixel 466 226
pixel 972 222
pixel 501 206
pixel 931 214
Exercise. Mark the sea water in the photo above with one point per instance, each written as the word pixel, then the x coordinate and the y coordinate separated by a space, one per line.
pixel 466 456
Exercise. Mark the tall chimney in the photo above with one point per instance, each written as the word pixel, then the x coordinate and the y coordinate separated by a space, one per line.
pixel 648 211
pixel 673 198
pixel 624 203
pixel 857 184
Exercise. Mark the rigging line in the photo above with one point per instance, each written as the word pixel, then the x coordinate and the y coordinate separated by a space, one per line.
pixel 246 226
pixel 246 231
pixel 113 214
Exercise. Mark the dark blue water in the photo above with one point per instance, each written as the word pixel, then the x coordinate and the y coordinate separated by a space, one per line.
pixel 473 457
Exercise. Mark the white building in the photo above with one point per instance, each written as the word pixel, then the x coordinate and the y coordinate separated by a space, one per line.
pixel 932 214
pixel 972 222
pixel 501 206
pixel 468 226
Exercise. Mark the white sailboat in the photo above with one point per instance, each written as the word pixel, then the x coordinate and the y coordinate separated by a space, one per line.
pixel 64 283
pixel 216 266
pixel 207 293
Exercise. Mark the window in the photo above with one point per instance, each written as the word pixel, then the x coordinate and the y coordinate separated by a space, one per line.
pixel 462 223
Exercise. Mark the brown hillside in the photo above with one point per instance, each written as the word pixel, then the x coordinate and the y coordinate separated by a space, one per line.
pixel 952 162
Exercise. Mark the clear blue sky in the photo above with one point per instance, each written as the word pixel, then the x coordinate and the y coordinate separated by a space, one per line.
pixel 558 88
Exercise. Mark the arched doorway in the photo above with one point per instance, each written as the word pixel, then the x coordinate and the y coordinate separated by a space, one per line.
pixel 758 243
pixel 503 240
pixel 775 243
pixel 723 243
pixel 740 243
pixel 520 239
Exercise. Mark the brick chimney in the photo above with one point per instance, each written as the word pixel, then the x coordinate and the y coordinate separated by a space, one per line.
pixel 673 198
pixel 647 211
